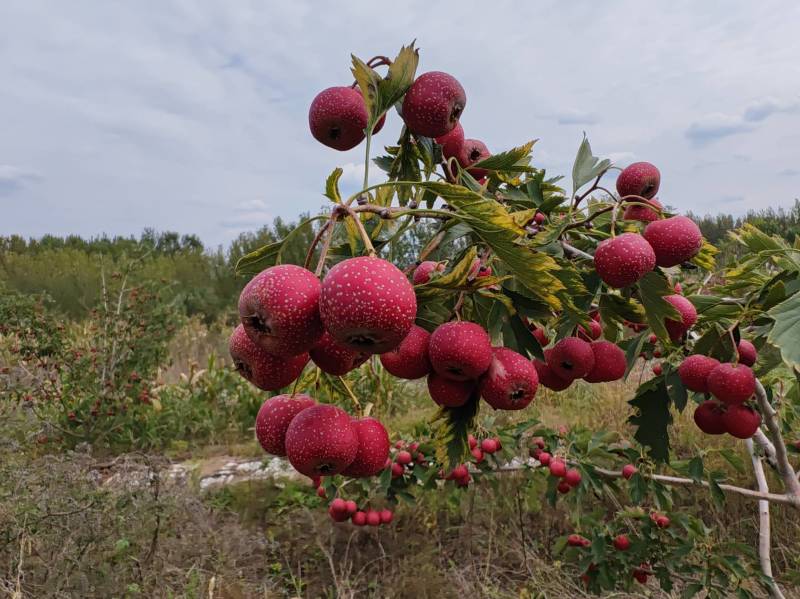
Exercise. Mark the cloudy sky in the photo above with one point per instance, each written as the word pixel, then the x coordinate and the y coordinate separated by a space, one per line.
pixel 192 116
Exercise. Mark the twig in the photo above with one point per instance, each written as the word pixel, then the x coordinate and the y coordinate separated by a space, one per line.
pixel 314 242
pixel 326 246
pixel 362 232
pixel 763 521
pixel 769 449
pixel 576 252
pixel 784 467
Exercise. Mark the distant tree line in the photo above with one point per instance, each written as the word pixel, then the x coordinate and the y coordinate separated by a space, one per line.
pixel 782 222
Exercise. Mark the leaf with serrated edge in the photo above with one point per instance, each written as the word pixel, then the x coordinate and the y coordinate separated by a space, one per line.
pixel 587 166
pixel 450 429
pixel 652 289
pixel 515 160
pixel 332 186
pixel 785 333
pixel 652 403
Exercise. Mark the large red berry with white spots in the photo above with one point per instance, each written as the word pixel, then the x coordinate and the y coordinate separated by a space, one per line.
pixel 741 421
pixel 409 360
pixel 571 358
pixel 273 419
pixel 373 448
pixel 472 151
pixel 460 350
pixel 732 383
pixel 677 328
pixel 595 331
pixel 338 118
pixel 694 371
pixel 447 392
pixel 264 370
pixel 321 441
pixel 747 352
pixel 609 363
pixel 451 142
pixel 422 273
pixel 643 213
pixel 548 376
pixel 639 179
pixel 511 381
pixel 279 309
pixel 675 240
pixel 708 417
pixel 367 304
pixel 623 260
pixel 334 358
pixel 433 104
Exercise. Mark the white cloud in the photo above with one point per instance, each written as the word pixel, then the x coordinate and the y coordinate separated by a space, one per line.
pixel 193 116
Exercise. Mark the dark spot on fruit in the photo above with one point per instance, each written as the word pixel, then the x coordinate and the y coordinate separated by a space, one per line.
pixel 361 340
pixel 258 324
pixel 475 154
pixel 325 468
pixel 517 395
pixel 567 365
pixel 334 132
pixel 456 112
pixel 243 368
pixel 454 370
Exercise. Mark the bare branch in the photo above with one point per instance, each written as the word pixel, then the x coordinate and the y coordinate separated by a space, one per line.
pixel 784 467
pixel 763 521
pixel 573 251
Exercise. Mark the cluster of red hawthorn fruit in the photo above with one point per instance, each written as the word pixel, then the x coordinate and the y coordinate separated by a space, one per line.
pixel 570 477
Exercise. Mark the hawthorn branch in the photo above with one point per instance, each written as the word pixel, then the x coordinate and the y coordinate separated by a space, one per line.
pixel 785 499
pixel 575 252
pixel 769 449
pixel 763 521
pixel 785 469
pixel 315 241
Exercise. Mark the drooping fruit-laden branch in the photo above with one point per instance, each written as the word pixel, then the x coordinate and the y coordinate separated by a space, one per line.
pixel 781 457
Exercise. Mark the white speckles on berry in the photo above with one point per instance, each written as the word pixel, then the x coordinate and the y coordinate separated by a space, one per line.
pixel 321 441
pixel 274 417
pixel 511 381
pixel 674 240
pixel 263 369
pixel 623 260
pixel 460 350
pixel 433 104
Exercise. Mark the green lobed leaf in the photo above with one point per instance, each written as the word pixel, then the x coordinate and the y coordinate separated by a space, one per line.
pixel 515 160
pixel 653 287
pixel 493 224
pixel 332 186
pixel 586 166
pixel 785 333
pixel 652 417
pixel 451 427
pixel 270 254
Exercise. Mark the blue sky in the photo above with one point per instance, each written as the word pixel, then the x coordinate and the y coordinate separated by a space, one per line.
pixel 192 116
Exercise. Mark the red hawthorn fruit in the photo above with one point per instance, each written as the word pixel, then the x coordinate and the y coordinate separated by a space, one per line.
pixel 473 442
pixel 694 371
pixel 409 360
pixel 595 331
pixel 279 309
pixel 399 444
pixel 628 470
pixel 373 518
pixel 498 443
pixel 338 117
pixel 563 487
pixel 662 522
pixel 464 482
pixel 274 417
pixel 359 518
pixel 422 273
pixel 639 179
pixel 460 350
pixel 656 353
pixel 622 543
pixel 640 573
pixel 652 338
pixel 747 352
pixel 544 458
pixel 433 104
pixel 539 218
pixel 741 421
pixel 511 381
pixel 573 477
pixel 489 446
pixel 622 260
pixel 262 369
pixel 367 304
pixel 571 358
pixel 373 448
pixel 338 516
pixel 732 383
pixel 643 213
pixel 477 455
pixel 472 151
pixel 558 468
pixel 386 516
pixel 609 363
pixel 574 540
pixel 657 369
pixel 321 440
pixel 460 472
pixel 678 288
pixel 321 492
pixel 675 240
pixel 339 505
pixel 403 457
pixel 448 393
pixel 677 329
pixel 412 447
pixel 334 358
pixel 397 470
pixel 548 376
pixel 350 507
pixel 451 142
pixel 708 417
pixel 540 336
